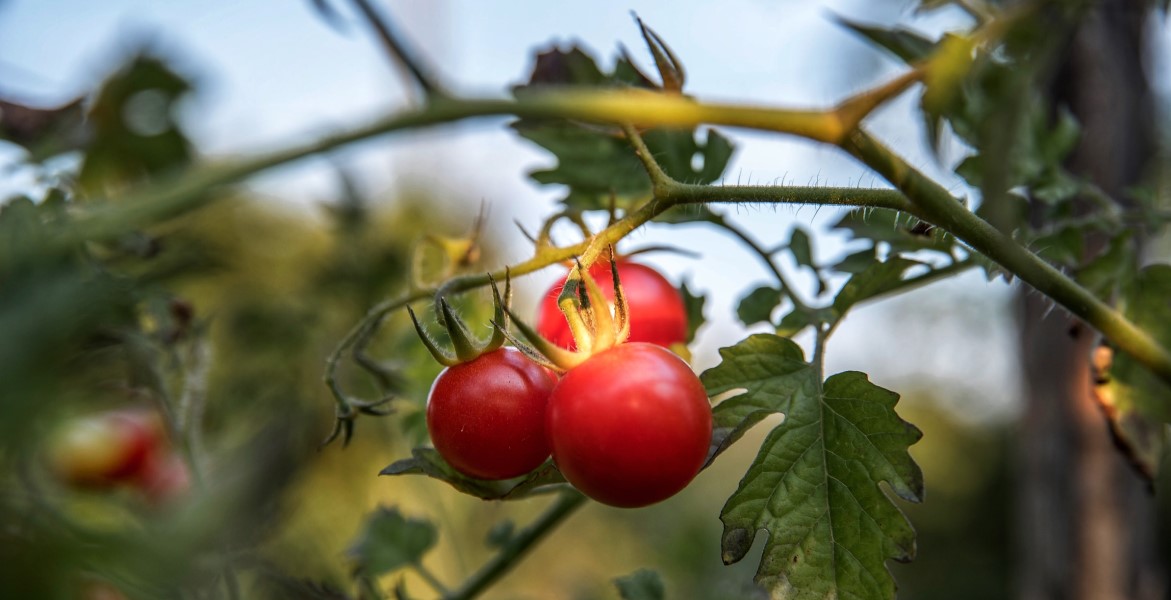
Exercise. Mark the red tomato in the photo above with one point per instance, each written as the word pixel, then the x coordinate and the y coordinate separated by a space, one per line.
pixel 106 449
pixel 487 416
pixel 630 426
pixel 657 314
pixel 164 479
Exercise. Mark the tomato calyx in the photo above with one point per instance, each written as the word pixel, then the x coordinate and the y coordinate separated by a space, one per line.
pixel 595 323
pixel 465 347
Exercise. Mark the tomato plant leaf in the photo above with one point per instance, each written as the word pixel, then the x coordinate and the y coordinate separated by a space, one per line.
pixel 1134 398
pixel 388 541
pixel 427 461
pixel 643 584
pixel 802 248
pixel 596 163
pixel 814 486
pixel 786 369
pixel 693 304
pixel 879 278
pixel 758 305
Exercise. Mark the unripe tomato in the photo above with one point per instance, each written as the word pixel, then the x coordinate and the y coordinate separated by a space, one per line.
pixel 105 449
pixel 487 416
pixel 657 313
pixel 630 426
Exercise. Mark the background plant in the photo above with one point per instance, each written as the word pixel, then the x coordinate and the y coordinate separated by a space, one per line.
pixel 101 264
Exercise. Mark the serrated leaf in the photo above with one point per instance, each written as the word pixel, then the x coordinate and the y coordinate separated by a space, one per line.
pixel 801 247
pixel 814 487
pixel 427 461
pixel 903 43
pixel 388 541
pixel 733 417
pixel 643 584
pixel 879 278
pixel 1136 400
pixel 758 305
pixel 693 304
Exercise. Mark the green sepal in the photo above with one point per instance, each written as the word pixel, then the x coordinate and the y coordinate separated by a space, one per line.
pixel 461 338
pixel 560 358
pixel 442 356
pixel 670 68
pixel 500 317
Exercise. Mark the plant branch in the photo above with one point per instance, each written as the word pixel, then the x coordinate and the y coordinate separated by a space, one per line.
pixel 940 208
pixel 517 546
pixel 790 291
pixel 398 51
pixel 430 578
pixel 683 193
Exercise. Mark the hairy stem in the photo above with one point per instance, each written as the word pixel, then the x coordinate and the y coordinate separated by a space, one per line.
pixel 942 209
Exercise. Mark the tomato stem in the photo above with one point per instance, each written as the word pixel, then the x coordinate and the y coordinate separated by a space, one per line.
pixel 567 502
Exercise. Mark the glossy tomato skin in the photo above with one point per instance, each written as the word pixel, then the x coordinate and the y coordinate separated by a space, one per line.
pixel 657 313
pixel 630 426
pixel 487 416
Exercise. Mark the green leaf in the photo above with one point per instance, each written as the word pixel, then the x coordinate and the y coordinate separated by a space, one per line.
pixel 903 232
pixel 758 305
pixel 903 43
pixel 880 278
pixel 789 374
pixel 134 127
pixel 793 323
pixel 693 304
pixel 389 540
pixel 643 584
pixel 1136 400
pixel 426 461
pixel 856 262
pixel 596 162
pixel 1103 274
pixel 802 248
pixel 814 486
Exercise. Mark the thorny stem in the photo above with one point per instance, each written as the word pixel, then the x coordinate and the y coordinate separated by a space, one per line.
pixel 517 546
pixel 941 209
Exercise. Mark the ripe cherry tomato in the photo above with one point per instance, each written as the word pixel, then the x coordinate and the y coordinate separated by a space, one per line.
pixel 487 416
pixel 657 314
pixel 106 449
pixel 630 426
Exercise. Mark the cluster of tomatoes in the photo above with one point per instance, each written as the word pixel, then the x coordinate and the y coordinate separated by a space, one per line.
pixel 629 426
pixel 118 449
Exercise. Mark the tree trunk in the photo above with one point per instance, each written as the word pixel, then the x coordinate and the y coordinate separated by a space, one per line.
pixel 1086 519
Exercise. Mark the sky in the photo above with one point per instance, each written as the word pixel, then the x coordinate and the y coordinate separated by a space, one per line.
pixel 271 72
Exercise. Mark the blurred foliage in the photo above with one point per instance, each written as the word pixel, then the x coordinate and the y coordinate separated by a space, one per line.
pixel 221 319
